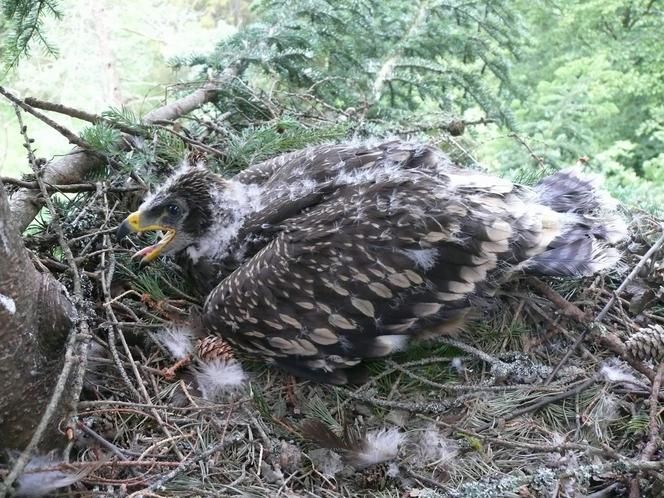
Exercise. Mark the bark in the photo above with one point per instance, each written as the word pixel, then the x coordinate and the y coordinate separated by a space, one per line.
pixel 35 319
pixel 74 167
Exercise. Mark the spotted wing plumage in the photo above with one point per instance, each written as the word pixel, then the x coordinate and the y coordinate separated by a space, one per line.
pixel 365 249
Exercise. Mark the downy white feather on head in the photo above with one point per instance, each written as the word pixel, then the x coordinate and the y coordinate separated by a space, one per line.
pixel 216 378
pixel 185 167
pixel 178 339
pixel 237 200
pixel 378 446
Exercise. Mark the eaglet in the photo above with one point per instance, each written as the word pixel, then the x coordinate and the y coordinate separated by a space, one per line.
pixel 317 259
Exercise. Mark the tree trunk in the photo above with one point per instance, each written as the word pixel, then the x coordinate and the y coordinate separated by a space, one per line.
pixel 35 319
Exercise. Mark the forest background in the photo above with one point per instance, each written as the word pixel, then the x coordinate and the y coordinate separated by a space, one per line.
pixel 520 88
pixel 574 79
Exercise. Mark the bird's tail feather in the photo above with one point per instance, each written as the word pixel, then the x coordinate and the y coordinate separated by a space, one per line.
pixel 589 226
pixel 571 191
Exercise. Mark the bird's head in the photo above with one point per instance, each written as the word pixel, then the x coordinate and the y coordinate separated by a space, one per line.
pixel 182 208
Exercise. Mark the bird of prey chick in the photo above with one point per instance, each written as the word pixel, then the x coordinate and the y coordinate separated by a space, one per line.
pixel 320 258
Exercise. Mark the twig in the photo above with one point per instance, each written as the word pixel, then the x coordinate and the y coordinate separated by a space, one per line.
pixel 568 309
pixel 78 114
pixel 440 406
pixel 543 402
pixel 385 373
pixel 462 387
pixel 185 465
pixel 445 125
pixel 575 312
pixel 84 348
pixel 69 135
pixel 72 342
pixel 487 358
pixel 106 276
pixel 537 158
pixel 71 188
pixel 107 444
pixel 195 143
pixel 105 403
pixel 423 479
pixel 650 448
pixel 653 440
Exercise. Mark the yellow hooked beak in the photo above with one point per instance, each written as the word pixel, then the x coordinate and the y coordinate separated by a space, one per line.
pixel 134 223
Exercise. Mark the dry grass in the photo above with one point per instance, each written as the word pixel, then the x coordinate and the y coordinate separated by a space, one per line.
pixel 513 432
pixel 510 408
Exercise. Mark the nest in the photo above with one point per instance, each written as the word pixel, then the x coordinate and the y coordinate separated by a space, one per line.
pixel 554 392
pixel 515 406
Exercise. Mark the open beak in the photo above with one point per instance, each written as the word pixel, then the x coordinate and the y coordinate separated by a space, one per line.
pixel 133 223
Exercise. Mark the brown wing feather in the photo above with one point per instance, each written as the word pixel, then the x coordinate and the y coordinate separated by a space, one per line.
pixel 367 267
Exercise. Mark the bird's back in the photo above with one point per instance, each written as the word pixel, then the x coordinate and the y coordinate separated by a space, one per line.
pixel 359 248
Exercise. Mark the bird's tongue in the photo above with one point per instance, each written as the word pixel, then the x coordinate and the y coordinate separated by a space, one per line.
pixel 145 251
pixel 149 253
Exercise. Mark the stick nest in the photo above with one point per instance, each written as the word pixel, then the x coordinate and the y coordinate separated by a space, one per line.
pixel 512 407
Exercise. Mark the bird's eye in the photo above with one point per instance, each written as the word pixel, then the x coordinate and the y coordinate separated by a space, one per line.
pixel 173 209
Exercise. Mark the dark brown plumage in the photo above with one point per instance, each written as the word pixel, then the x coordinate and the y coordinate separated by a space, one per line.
pixel 320 258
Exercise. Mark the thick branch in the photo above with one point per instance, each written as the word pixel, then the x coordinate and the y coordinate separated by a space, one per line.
pixel 76 113
pixel 74 167
pixel 31 337
pixel 71 188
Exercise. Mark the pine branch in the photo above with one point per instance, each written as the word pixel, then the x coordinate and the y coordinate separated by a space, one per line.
pixel 26 18
pixel 78 114
pixel 72 188
pixel 75 166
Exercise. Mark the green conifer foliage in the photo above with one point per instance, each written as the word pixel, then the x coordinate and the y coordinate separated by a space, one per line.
pixel 383 60
pixel 22 25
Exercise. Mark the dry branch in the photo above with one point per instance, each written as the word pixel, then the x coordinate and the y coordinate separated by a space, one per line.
pixel 76 113
pixel 72 188
pixel 609 340
pixel 75 166
pixel 78 336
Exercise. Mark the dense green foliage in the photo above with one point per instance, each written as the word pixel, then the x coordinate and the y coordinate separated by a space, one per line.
pixel 591 83
pixel 382 60
pixel 562 81
pixel 549 83
pixel 21 25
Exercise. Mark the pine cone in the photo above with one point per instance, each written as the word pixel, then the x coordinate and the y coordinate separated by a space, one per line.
pixel 212 348
pixel 375 477
pixel 456 127
pixel 647 343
